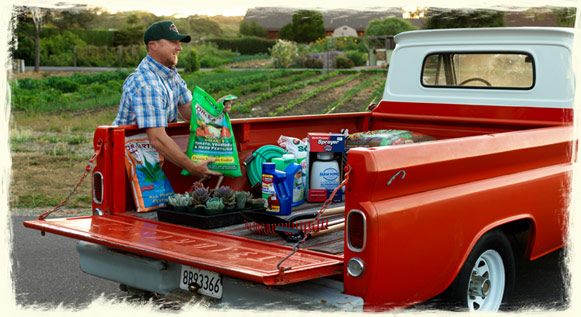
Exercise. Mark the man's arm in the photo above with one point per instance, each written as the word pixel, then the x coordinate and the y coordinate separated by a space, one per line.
pixel 172 152
pixel 185 111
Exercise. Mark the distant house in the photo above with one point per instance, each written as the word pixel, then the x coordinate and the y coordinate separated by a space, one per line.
pixel 344 31
pixel 343 21
pixel 273 19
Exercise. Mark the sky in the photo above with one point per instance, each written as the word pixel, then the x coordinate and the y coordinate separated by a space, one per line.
pixel 239 7
pixel 215 7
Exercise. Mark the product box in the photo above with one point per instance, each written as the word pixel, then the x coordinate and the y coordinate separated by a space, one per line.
pixel 325 165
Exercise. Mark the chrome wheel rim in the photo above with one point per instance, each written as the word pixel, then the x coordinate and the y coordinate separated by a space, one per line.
pixel 486 284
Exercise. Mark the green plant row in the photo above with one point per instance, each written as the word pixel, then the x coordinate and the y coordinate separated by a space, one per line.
pixel 67 93
pixel 264 84
pixel 69 83
pixel 226 80
pixel 72 139
pixel 245 106
pixel 311 93
pixel 376 96
pixel 350 94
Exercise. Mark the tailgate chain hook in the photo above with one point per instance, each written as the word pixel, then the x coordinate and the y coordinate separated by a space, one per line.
pixel 395 176
pixel 297 245
pixel 88 169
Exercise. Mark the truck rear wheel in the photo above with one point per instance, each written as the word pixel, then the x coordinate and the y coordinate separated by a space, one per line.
pixel 486 279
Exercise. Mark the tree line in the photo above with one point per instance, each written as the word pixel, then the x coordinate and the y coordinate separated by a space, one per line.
pixel 60 37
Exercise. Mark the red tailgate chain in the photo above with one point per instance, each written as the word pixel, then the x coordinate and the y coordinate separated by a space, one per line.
pixel 87 170
pixel 326 204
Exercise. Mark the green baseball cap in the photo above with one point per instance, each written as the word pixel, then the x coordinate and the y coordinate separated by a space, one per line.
pixel 164 30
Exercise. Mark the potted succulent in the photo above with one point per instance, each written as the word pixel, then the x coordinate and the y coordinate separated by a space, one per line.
pixel 179 202
pixel 200 196
pixel 257 203
pixel 214 206
pixel 227 195
pixel 242 199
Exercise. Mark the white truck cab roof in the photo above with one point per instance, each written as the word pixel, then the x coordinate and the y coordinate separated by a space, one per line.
pixel 529 67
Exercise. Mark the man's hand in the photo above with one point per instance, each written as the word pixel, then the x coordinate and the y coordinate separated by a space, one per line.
pixel 172 152
pixel 203 170
pixel 227 103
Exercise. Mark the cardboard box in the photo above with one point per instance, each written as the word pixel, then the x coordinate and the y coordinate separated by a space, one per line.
pixel 329 171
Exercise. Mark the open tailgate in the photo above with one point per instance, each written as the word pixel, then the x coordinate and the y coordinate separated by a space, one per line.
pixel 233 256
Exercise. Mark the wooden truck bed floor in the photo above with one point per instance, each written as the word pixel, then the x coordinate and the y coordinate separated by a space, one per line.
pixel 331 242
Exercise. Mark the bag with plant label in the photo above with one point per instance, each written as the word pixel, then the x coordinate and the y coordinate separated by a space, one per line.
pixel 149 184
pixel 211 136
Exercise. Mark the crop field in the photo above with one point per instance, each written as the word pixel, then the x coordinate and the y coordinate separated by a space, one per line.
pixel 53 118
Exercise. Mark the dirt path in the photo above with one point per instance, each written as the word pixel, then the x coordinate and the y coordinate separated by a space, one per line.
pixel 321 101
pixel 359 102
pixel 253 95
pixel 264 108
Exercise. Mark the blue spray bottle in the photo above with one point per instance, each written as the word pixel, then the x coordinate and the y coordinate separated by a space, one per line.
pixel 294 176
pixel 275 190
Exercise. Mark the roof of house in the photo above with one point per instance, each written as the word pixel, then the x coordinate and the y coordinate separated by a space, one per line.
pixel 272 18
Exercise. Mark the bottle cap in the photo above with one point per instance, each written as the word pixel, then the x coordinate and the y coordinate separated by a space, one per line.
pixel 325 156
pixel 268 167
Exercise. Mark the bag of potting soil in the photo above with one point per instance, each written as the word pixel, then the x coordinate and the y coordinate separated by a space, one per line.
pixel 384 138
pixel 211 136
pixel 143 163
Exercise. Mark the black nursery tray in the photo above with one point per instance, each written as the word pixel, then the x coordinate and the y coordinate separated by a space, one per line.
pixel 227 218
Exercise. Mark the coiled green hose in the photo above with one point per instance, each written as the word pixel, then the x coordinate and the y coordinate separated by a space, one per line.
pixel 254 162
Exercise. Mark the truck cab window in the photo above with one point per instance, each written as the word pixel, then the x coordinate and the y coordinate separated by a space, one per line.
pixel 479 70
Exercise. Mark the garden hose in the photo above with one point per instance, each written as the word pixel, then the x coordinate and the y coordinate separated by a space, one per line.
pixel 254 162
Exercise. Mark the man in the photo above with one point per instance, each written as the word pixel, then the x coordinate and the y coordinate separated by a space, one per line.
pixel 155 93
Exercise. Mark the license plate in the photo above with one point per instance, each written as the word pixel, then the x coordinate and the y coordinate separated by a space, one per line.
pixel 209 283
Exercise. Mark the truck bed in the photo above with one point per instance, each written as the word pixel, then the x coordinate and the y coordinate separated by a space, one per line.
pixel 331 243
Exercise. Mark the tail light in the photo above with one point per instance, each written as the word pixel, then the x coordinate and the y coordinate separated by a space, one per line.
pixel 97 188
pixel 356 230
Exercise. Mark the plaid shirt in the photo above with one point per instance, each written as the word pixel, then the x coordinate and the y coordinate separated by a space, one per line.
pixel 151 96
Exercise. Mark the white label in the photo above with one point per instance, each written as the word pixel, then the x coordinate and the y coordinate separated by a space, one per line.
pixel 208 283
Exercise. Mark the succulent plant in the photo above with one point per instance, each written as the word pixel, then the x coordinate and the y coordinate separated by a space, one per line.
pixel 180 200
pixel 215 203
pixel 258 202
pixel 196 185
pixel 227 195
pixel 200 195
pixel 240 200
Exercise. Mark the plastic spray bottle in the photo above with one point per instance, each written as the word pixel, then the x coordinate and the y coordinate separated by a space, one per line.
pixel 275 190
pixel 294 177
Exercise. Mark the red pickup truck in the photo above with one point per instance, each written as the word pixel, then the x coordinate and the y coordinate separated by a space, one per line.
pixel 446 217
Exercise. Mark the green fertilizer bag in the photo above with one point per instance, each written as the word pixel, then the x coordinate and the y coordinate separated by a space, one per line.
pixel 211 136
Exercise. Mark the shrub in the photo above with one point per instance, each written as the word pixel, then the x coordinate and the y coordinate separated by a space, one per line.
pixel 63 84
pixel 358 58
pixel 252 28
pixel 308 26
pixel 388 26
pixel 192 62
pixel 313 63
pixel 343 62
pixel 284 53
pixel 212 49
pixel 212 61
pixel 249 45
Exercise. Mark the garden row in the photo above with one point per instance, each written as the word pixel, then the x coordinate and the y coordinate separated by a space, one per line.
pixel 82 92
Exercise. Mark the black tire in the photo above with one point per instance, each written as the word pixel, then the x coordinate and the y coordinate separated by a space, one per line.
pixel 486 251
